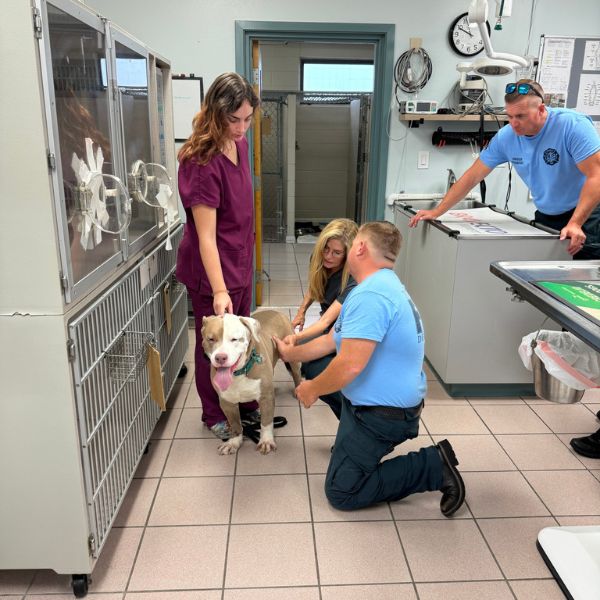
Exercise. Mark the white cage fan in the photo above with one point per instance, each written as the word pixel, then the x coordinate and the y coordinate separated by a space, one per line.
pixel 151 184
pixel 102 200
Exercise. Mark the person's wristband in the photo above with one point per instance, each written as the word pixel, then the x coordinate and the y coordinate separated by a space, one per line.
pixel 220 292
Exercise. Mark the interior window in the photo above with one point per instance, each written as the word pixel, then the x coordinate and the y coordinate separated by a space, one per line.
pixel 337 75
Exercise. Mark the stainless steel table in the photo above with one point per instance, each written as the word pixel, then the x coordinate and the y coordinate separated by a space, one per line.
pixel 522 275
pixel 571 553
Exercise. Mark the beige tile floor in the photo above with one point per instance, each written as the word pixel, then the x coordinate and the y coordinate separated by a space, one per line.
pixel 199 526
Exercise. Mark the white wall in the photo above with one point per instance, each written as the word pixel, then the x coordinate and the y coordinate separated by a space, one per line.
pixel 198 36
pixel 281 62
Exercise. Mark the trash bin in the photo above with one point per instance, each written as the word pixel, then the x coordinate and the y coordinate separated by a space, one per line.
pixel 548 387
pixel 563 366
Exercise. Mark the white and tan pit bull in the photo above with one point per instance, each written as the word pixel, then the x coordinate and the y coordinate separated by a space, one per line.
pixel 243 356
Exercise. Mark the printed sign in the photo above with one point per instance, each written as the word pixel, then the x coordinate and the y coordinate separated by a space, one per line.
pixel 487 222
pixel 582 296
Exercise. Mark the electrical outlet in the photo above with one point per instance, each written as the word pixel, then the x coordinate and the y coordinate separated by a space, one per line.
pixel 423 159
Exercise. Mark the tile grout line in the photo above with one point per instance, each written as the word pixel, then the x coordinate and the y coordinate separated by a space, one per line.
pixel 310 506
pixel 229 524
pixel 160 478
pixel 308 488
pixel 410 573
pixel 496 559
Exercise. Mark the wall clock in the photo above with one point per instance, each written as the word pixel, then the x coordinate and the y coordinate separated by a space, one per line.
pixel 464 39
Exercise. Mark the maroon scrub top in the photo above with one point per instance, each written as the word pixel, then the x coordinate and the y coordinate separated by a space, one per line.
pixel 228 188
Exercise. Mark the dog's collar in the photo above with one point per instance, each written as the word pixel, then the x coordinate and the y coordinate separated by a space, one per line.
pixel 255 358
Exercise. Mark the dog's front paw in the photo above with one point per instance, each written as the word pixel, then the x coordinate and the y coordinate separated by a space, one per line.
pixel 231 446
pixel 266 443
pixel 266 446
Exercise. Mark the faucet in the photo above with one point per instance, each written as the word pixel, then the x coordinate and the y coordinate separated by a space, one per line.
pixel 451 179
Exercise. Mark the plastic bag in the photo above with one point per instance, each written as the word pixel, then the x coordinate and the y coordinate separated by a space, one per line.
pixel 565 357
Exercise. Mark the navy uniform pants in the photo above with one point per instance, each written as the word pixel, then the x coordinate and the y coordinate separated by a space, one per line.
pixel 356 477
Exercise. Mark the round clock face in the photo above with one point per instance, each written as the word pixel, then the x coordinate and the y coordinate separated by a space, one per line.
pixel 463 38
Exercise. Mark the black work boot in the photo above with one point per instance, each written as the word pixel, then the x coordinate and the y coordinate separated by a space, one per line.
pixel 588 446
pixel 453 487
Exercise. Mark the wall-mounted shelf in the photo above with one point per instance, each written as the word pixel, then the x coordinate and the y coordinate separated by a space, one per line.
pixel 475 118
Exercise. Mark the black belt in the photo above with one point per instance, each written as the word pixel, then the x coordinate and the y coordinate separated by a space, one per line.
pixel 394 412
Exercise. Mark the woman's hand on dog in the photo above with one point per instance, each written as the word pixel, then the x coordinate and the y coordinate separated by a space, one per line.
pixel 298 321
pixel 222 303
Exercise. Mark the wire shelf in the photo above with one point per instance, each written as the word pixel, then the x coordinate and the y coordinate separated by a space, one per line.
pixel 127 355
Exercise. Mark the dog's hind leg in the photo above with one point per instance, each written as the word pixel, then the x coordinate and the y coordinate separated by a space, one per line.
pixel 232 412
pixel 293 368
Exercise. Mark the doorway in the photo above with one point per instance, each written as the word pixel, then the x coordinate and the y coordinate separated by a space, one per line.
pixel 381 37
pixel 314 161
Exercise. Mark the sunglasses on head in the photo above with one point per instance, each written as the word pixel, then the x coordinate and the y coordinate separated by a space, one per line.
pixel 522 89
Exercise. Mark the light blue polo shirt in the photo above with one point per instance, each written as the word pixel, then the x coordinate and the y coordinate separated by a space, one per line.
pixel 380 309
pixel 547 161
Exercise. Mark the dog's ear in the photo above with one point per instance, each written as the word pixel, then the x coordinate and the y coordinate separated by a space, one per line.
pixel 253 326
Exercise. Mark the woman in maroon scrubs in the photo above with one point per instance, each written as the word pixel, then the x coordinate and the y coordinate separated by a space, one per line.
pixel 215 258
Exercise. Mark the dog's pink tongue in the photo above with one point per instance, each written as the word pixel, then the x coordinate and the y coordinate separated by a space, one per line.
pixel 223 377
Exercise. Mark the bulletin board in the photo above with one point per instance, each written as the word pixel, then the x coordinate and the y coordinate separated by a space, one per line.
pixel 569 72
pixel 188 94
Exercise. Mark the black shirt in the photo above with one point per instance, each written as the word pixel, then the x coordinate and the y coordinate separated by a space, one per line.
pixel 334 292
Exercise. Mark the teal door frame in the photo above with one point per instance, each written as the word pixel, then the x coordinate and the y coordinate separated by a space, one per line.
pixel 382 37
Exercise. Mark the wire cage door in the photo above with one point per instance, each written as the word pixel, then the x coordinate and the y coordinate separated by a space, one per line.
pixel 272 173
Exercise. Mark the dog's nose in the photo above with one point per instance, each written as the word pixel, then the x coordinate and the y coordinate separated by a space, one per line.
pixel 221 358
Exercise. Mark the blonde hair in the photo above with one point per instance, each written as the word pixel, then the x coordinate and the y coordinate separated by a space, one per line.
pixel 343 230
pixel 384 236
pixel 209 127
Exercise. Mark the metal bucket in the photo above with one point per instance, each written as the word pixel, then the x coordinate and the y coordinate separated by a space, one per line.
pixel 549 388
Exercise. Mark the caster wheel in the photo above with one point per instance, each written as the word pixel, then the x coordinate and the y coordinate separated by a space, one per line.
pixel 80 585
pixel 147 448
pixel 183 371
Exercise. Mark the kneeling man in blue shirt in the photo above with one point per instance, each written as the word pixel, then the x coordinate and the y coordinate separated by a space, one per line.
pixel 379 343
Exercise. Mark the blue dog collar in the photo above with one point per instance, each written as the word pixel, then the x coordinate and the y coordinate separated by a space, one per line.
pixel 255 358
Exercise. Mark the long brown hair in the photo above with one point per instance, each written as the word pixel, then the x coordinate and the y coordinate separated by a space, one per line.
pixel 226 94
pixel 75 123
pixel 343 230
